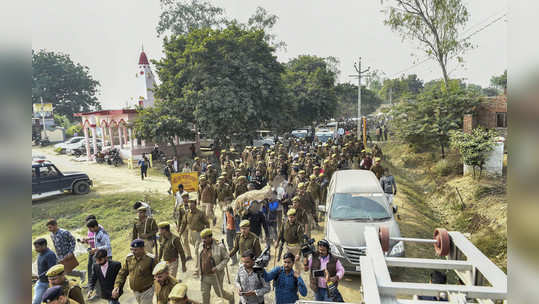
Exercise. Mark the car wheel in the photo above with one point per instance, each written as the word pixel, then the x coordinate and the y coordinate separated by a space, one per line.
pixel 81 187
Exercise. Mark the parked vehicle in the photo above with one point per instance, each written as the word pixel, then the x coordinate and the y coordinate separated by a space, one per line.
pixel 299 133
pixel 205 141
pixel 113 157
pixel 354 201
pixel 61 147
pixel 323 136
pixel 79 148
pixel 47 178
pixel 264 138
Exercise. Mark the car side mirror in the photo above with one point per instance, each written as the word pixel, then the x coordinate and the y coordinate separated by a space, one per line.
pixel 395 209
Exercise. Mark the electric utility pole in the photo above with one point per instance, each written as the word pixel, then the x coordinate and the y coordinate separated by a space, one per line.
pixel 357 66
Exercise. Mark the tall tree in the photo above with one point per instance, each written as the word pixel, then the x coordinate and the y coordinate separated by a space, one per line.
pixel 179 17
pixel 435 24
pixel 428 120
pixel 499 82
pixel 310 84
pixel 67 85
pixel 228 81
pixel 401 87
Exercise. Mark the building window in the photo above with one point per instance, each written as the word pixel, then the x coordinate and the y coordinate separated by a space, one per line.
pixel 501 120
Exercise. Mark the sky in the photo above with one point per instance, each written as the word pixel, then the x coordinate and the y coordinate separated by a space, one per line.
pixel 107 37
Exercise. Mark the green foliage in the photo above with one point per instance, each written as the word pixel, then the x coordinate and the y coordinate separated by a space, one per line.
pixel 474 147
pixel 310 86
pixel 181 17
pixel 442 168
pixel 67 85
pixel 226 81
pixel 427 120
pixel 76 128
pixel 491 91
pixel 161 123
pixel 401 87
pixel 435 24
pixel 499 82
pixel 346 94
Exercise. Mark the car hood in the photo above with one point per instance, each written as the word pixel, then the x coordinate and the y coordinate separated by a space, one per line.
pixel 74 173
pixel 350 233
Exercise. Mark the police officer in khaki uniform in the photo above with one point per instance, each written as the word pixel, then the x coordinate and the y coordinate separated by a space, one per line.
pixel 246 240
pixel 180 215
pixel 55 295
pixel 291 233
pixel 307 202
pixel 163 283
pixel 224 193
pixel 170 248
pixel 70 289
pixel 213 259
pixel 178 295
pixel 139 267
pixel 301 215
pixel 207 197
pixel 196 166
pixel 377 168
pixel 196 221
pixel 145 228
pixel 241 186
pixel 212 174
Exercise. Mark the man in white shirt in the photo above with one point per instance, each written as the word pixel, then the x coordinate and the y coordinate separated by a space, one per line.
pixel 179 194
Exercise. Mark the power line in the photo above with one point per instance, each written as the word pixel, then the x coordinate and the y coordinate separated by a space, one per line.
pixel 425 59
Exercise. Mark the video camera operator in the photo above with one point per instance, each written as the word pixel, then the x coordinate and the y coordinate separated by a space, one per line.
pixel 317 264
pixel 250 283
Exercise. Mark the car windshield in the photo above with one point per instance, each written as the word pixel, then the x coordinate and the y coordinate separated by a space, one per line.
pixel 75 140
pixel 361 207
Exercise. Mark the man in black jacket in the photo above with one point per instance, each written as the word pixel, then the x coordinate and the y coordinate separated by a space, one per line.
pixel 105 271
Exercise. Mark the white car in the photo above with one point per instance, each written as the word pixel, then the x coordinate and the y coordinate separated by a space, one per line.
pixel 65 144
pixel 70 149
pixel 267 141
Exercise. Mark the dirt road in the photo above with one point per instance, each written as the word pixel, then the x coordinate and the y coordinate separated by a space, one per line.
pixel 106 178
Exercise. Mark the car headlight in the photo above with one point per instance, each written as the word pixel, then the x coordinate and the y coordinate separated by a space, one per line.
pixel 398 249
pixel 334 249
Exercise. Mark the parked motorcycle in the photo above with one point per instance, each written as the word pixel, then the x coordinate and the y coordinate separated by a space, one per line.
pixel 113 157
pixel 100 157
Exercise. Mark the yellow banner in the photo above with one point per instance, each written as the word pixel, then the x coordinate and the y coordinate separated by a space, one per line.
pixel 47 107
pixel 188 180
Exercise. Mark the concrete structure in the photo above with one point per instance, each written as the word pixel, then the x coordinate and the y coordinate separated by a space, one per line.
pixel 494 162
pixel 491 113
pixel 115 127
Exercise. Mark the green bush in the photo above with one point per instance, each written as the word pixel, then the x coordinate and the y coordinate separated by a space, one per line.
pixel 410 159
pixel 442 168
pixel 73 129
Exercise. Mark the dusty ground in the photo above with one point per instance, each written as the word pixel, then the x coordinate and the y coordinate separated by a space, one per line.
pixel 415 221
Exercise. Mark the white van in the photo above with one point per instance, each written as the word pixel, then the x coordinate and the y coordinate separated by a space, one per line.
pixel 355 199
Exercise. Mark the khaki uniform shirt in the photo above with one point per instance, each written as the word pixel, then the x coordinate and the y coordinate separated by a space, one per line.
pixel 224 192
pixel 179 214
pixel 291 233
pixel 207 194
pixel 145 229
pixel 240 189
pixel 243 244
pixel 139 272
pixel 378 170
pixel 196 220
pixel 217 256
pixel 170 249
pixel 162 291
pixel 306 202
pixel 72 291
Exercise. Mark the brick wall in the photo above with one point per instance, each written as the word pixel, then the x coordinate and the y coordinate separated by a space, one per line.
pixel 467 123
pixel 487 109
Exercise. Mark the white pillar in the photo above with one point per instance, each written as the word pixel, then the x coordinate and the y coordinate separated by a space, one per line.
pixel 111 138
pixel 85 129
pixel 131 143
pixel 102 135
pixel 120 135
pixel 94 140
pixel 124 130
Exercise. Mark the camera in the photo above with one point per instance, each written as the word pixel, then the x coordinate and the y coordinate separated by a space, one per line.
pixel 262 260
pixel 308 246
pixel 319 273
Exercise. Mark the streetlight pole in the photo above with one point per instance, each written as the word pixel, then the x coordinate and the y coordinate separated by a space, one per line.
pixel 357 67
pixel 43 117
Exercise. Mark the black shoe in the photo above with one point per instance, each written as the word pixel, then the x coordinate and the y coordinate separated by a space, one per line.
pixel 188 258
pixel 214 221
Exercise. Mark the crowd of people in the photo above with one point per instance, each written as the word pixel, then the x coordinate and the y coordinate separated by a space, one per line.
pixel 297 174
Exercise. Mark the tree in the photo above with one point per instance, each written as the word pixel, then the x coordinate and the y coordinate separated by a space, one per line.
pixel 263 20
pixel 310 86
pixel 428 119
pixel 435 24
pixel 346 94
pixel 401 87
pixel 181 17
pixel 226 81
pixel 474 147
pixel 67 85
pixel 159 124
pixel 499 82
